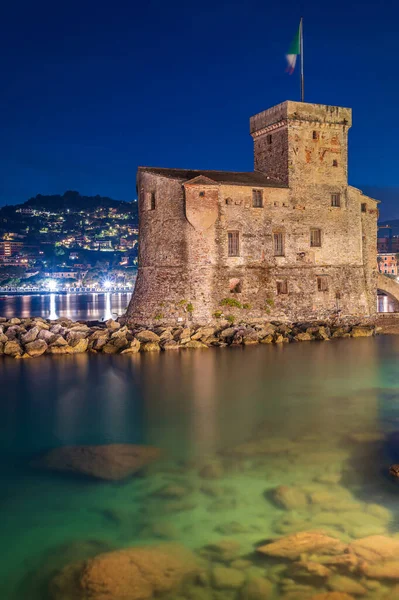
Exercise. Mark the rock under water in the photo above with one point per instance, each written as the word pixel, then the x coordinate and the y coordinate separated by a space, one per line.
pixel 111 462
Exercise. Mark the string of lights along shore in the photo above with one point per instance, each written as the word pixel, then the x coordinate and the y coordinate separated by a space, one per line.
pixel 296 49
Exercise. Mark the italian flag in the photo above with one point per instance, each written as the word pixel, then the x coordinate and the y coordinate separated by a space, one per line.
pixel 293 52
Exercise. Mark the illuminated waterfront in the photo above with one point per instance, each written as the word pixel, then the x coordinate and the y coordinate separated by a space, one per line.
pixel 86 306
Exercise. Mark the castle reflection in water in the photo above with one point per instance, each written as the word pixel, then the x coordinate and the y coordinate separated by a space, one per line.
pixel 90 306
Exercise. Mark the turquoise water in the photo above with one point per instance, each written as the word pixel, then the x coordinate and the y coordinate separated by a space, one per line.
pixel 308 400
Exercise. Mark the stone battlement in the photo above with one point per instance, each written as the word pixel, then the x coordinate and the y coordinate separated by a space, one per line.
pixel 321 114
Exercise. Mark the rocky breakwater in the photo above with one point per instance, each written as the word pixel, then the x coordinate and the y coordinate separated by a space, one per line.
pixel 29 338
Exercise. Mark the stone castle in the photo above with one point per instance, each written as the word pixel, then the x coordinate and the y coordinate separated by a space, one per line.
pixel 290 241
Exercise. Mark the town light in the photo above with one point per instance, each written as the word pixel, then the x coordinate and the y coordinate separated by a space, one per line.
pixel 107 284
pixel 52 285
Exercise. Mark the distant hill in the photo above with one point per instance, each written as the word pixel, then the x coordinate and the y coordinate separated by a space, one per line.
pixel 73 201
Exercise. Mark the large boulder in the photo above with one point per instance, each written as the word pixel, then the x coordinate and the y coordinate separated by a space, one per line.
pixel 147 336
pixel 111 462
pixel 130 574
pixel 294 545
pixel 36 348
pixel 30 335
pixel 12 348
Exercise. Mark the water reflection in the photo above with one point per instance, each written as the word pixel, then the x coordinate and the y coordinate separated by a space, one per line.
pixel 53 315
pixel 72 306
pixel 199 405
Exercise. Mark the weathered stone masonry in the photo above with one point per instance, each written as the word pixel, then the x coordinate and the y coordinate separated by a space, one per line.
pixel 305 240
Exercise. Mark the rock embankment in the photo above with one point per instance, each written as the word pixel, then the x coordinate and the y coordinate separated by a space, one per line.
pixel 29 338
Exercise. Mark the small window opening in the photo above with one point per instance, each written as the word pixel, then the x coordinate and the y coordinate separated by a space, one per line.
pixel 152 201
pixel 257 198
pixel 315 135
pixel 202 194
pixel 233 243
pixel 322 283
pixel 338 295
pixel 269 138
pixel 235 286
pixel 282 287
pixel 315 238
pixel 335 163
pixel 364 207
pixel 278 239
pixel 229 201
pixel 336 200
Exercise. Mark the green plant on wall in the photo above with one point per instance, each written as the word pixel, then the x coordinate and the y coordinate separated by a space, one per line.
pixel 158 317
pixel 269 302
pixel 230 302
pixel 217 314
pixel 230 318
pixel 189 307
pixel 246 306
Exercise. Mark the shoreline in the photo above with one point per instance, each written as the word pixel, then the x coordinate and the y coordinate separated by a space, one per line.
pixel 33 337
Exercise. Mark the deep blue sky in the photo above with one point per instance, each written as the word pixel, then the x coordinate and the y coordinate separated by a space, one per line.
pixel 92 89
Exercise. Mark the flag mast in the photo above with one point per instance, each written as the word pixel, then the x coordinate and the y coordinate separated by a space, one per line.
pixel 301 52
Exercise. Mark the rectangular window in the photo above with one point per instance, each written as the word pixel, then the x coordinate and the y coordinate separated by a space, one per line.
pixel 269 139
pixel 152 201
pixel 335 163
pixel 257 198
pixel 315 238
pixel 336 200
pixel 202 194
pixel 315 135
pixel 364 207
pixel 282 287
pixel 233 243
pixel 322 283
pixel 278 239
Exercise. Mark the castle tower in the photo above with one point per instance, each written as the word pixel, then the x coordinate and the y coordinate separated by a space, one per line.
pixel 297 143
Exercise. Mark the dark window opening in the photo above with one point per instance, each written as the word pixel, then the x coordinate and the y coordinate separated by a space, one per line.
pixel 233 243
pixel 152 201
pixel 278 239
pixel 269 138
pixel 315 135
pixel 257 198
pixel 235 286
pixel 364 207
pixel 202 194
pixel 315 238
pixel 335 163
pixel 336 200
pixel 282 287
pixel 229 201
pixel 322 283
pixel 338 295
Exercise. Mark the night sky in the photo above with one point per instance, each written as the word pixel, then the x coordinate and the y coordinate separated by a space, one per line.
pixel 90 90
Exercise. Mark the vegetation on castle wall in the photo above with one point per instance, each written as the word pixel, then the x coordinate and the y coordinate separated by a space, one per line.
pixel 231 302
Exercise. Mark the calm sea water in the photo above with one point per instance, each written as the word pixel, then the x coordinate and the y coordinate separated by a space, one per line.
pixel 308 400
pixel 90 307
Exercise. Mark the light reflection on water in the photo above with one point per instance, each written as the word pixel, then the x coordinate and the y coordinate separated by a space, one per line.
pixel 196 406
pixel 93 306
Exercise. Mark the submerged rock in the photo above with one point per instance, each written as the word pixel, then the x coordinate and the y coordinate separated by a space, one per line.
pixel 130 574
pixel 226 578
pixel 111 462
pixel 290 498
pixel 292 546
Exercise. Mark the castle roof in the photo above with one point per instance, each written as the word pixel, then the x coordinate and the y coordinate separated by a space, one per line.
pixel 252 178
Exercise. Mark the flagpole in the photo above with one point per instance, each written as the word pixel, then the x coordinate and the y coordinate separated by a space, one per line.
pixel 301 50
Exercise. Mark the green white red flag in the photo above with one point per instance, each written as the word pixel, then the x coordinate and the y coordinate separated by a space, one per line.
pixel 293 52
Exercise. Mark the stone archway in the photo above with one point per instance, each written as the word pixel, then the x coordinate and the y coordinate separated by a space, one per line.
pixel 387 288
